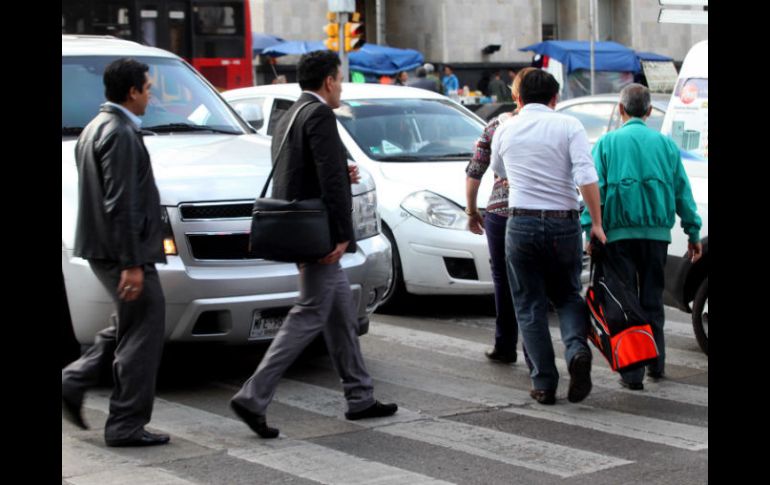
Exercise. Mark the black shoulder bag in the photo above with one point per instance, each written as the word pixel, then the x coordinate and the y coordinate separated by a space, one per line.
pixel 291 231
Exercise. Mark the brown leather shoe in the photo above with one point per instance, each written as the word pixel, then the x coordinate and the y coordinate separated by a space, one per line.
pixel 543 396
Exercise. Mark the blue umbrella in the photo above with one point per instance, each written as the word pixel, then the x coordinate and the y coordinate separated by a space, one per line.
pixel 259 42
pixel 371 58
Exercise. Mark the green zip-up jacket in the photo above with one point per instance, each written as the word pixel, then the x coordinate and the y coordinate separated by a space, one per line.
pixel 642 185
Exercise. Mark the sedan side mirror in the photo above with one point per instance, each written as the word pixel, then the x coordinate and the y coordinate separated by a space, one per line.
pixel 252 113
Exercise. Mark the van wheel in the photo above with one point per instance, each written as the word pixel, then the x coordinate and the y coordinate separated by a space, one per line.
pixel 396 291
pixel 700 316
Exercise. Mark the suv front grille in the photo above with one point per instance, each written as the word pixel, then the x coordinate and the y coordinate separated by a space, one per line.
pixel 238 210
pixel 219 246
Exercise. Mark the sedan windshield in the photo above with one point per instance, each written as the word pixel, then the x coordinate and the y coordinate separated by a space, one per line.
pixel 410 130
pixel 180 100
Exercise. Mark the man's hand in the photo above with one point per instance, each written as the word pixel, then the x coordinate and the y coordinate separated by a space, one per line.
pixel 131 283
pixel 335 255
pixel 476 223
pixel 694 251
pixel 598 233
pixel 355 176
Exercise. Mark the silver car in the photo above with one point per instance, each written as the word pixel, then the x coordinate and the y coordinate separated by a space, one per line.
pixel 209 166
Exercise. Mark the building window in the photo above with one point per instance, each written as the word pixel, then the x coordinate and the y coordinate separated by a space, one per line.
pixel 549 19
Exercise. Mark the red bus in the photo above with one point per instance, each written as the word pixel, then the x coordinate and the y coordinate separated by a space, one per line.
pixel 212 35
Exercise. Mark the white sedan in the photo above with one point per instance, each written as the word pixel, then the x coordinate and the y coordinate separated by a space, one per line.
pixel 416 145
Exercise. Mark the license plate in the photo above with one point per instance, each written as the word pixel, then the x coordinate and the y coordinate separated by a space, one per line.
pixel 264 326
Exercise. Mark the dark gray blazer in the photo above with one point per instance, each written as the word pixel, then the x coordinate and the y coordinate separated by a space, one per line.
pixel 314 164
pixel 119 213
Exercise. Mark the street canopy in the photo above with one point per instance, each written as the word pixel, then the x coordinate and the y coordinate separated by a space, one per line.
pixel 370 59
pixel 260 42
pixel 576 54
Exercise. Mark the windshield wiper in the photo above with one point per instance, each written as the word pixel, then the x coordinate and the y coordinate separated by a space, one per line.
pixel 187 127
pixel 71 130
pixel 452 155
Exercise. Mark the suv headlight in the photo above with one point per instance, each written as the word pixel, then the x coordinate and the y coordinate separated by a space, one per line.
pixel 435 210
pixel 366 221
pixel 169 245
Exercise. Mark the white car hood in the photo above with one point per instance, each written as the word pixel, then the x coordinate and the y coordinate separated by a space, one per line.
pixel 203 167
pixel 443 178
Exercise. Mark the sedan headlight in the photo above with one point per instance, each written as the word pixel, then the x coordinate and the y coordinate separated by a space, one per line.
pixel 435 210
pixel 366 221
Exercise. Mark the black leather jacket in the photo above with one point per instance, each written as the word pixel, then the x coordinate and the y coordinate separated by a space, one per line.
pixel 119 214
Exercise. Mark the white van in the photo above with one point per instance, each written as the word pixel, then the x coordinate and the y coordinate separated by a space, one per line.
pixel 686 122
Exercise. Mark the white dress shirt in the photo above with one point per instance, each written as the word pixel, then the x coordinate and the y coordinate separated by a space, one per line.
pixel 317 96
pixel 544 155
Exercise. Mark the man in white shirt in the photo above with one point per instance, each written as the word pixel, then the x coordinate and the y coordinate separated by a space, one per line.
pixel 545 155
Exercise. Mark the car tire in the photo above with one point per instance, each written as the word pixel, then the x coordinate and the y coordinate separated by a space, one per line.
pixel 396 291
pixel 700 313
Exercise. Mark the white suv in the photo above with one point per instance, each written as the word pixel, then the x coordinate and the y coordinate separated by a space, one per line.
pixel 209 166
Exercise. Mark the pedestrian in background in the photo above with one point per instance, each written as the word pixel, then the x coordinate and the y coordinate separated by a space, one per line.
pixel 494 221
pixel 544 155
pixel 120 233
pixel 402 78
pixel 314 165
pixel 431 74
pixel 643 186
pixel 449 81
pixel 498 89
pixel 423 82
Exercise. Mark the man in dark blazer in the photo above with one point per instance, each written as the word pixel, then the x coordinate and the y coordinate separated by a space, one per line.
pixel 313 164
pixel 120 232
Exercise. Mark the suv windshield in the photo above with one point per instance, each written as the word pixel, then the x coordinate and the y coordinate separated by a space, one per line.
pixel 405 130
pixel 180 100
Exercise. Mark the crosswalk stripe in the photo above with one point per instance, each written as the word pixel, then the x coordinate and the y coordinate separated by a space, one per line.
pixel 294 457
pixel 538 455
pixel 601 376
pixel 86 464
pixel 325 465
pixel 508 448
pixel 514 401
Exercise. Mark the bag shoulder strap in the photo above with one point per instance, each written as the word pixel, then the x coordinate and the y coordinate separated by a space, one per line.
pixel 280 147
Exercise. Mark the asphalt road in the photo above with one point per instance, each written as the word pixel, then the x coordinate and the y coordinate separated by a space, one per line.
pixel 462 419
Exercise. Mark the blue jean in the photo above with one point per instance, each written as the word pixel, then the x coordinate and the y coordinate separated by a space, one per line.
pixel 544 262
pixel 506 328
pixel 641 263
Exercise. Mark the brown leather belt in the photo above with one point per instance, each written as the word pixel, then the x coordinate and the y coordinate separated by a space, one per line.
pixel 567 214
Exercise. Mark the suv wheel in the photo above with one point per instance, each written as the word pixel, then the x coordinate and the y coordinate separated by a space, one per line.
pixel 700 316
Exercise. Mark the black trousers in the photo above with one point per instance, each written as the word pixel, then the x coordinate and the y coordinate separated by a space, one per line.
pixel 134 344
pixel 641 264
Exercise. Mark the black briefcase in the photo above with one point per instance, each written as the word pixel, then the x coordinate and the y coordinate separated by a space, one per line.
pixel 292 231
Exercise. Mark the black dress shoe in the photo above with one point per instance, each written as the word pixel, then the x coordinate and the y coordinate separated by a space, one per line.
pixel 634 386
pixel 73 410
pixel 543 396
pixel 256 422
pixel 145 439
pixel 376 410
pixel 504 357
pixel 580 378
pixel 655 376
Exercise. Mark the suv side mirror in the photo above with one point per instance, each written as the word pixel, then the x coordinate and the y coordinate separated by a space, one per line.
pixel 252 113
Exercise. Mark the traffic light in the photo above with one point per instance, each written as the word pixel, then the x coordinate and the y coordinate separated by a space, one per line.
pixel 354 33
pixel 332 30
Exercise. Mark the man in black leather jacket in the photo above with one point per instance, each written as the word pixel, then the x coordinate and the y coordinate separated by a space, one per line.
pixel 313 164
pixel 119 231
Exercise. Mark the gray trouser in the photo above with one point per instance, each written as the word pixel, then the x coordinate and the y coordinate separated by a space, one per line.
pixel 325 305
pixel 134 346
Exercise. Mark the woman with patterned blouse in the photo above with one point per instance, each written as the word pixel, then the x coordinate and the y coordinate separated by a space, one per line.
pixel 507 330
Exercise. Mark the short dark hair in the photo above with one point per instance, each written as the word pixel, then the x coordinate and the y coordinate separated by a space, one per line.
pixel 314 67
pixel 538 86
pixel 121 75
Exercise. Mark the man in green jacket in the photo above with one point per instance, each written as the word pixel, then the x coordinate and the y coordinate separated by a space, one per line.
pixel 643 186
